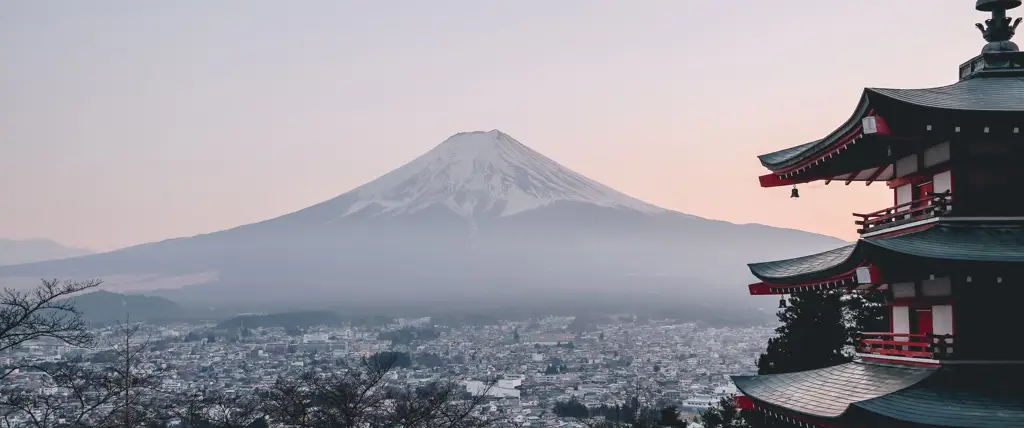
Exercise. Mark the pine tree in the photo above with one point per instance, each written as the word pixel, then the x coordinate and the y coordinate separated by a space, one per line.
pixel 813 335
pixel 724 414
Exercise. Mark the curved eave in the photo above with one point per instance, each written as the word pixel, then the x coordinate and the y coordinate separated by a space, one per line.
pixel 815 267
pixel 943 241
pixel 976 396
pixel 786 158
pixel 829 392
pixel 966 242
pixel 997 94
pixel 983 94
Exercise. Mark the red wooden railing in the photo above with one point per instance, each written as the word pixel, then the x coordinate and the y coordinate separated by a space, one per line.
pixel 934 204
pixel 931 346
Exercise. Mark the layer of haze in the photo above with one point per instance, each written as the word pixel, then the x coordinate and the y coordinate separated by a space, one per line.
pixel 124 122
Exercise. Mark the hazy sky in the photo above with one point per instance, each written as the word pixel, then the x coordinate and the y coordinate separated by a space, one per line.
pixel 123 122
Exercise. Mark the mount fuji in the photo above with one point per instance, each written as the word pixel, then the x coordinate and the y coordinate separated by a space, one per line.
pixel 479 218
pixel 485 173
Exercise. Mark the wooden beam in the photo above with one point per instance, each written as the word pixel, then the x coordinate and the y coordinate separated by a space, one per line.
pixel 874 175
pixel 774 180
pixel 853 176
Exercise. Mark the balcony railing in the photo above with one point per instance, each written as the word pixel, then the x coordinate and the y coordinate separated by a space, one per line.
pixel 935 204
pixel 930 346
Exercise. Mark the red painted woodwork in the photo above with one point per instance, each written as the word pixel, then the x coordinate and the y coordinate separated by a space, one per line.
pixel 913 345
pixel 743 402
pixel 923 206
pixel 923 321
pixel 847 139
pixel 773 180
pixel 764 288
pixel 924 194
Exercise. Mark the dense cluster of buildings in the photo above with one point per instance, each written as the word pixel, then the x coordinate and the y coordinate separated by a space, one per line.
pixel 524 368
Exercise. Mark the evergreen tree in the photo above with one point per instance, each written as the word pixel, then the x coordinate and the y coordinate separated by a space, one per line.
pixel 812 335
pixel 723 415
pixel 866 313
pixel 669 417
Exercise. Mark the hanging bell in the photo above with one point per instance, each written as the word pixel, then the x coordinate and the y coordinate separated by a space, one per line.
pixel 794 193
pixel 782 302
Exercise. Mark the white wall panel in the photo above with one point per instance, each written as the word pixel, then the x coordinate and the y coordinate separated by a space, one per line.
pixel 942 319
pixel 901 320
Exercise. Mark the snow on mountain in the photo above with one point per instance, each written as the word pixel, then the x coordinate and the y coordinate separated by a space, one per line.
pixel 473 173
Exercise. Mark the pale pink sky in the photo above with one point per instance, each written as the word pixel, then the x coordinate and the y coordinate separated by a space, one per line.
pixel 125 122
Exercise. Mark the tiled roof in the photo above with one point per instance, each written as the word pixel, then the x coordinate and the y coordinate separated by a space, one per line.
pixel 787 157
pixel 781 156
pixel 947 240
pixel 962 242
pixel 830 391
pixel 980 94
pixel 974 396
pixel 838 260
pixel 989 94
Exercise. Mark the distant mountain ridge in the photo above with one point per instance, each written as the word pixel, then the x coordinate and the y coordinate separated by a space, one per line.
pixel 480 218
pixel 302 319
pixel 104 307
pixel 13 251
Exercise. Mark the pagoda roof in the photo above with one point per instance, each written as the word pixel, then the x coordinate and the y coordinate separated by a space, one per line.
pixel 977 396
pixel 997 94
pixel 980 94
pixel 945 241
pixel 788 157
pixel 815 265
pixel 829 392
pixel 959 242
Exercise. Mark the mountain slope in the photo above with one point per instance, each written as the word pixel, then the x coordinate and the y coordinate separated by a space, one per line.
pixel 475 173
pixel 105 307
pixel 480 218
pixel 33 250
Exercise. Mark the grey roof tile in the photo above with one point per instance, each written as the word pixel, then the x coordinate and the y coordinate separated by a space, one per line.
pixel 988 94
pixel 969 396
pixel 962 242
pixel 1001 243
pixel 1004 94
pixel 830 391
pixel 815 264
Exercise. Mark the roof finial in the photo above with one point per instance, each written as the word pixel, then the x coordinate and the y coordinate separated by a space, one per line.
pixel 998 30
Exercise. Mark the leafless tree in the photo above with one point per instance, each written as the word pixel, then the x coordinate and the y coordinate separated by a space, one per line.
pixel 77 395
pixel 362 397
pixel 216 410
pixel 41 313
pixel 138 399
pixel 44 312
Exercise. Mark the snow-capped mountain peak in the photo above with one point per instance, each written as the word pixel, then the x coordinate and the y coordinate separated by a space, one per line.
pixel 473 173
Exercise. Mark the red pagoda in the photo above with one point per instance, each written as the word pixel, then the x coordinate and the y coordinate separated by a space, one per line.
pixel 949 253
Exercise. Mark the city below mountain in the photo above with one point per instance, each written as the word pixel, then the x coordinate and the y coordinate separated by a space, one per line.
pixel 480 219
